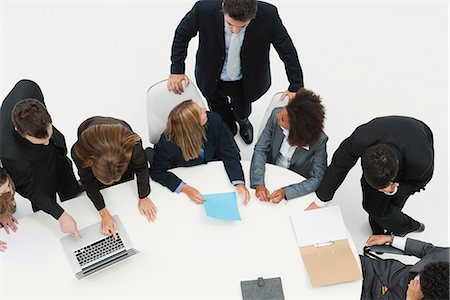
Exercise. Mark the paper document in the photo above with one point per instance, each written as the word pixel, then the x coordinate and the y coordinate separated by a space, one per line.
pixel 322 240
pixel 320 225
pixel 222 206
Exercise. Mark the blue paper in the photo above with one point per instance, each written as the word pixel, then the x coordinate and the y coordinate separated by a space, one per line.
pixel 222 206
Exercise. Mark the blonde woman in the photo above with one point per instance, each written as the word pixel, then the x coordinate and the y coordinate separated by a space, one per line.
pixel 192 137
pixel 7 205
pixel 109 152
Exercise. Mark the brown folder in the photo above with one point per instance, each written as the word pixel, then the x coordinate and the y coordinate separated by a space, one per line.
pixel 330 263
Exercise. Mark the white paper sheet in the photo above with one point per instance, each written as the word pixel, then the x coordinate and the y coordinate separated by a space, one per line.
pixel 319 226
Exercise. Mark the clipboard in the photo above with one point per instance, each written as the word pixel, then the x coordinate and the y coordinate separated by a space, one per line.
pixel 322 240
pixel 262 289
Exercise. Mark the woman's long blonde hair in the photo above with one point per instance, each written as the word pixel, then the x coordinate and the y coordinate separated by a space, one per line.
pixel 7 203
pixel 185 130
pixel 107 149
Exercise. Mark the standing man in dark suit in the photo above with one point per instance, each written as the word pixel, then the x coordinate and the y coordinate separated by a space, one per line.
pixel 391 279
pixel 35 154
pixel 233 56
pixel 397 158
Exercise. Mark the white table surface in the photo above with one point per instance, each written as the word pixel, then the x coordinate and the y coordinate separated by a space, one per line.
pixel 183 255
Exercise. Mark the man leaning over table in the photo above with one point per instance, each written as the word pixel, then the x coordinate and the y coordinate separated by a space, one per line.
pixel 397 158
pixel 34 153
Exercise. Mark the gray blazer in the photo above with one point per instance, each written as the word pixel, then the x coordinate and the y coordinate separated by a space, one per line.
pixel 396 275
pixel 311 163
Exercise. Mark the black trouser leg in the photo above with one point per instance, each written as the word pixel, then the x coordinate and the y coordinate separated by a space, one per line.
pixel 220 104
pixel 385 211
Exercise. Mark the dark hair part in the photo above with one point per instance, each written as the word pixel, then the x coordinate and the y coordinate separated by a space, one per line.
pixel 30 117
pixel 434 280
pixel 380 165
pixel 240 10
pixel 7 203
pixel 306 115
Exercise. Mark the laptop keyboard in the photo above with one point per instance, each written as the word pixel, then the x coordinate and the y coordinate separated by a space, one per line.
pixel 98 249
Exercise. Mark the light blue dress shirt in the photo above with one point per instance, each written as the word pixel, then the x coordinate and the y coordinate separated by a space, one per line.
pixel 240 37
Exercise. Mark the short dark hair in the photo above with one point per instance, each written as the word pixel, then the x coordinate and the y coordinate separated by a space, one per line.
pixel 240 10
pixel 306 115
pixel 380 165
pixel 434 280
pixel 30 117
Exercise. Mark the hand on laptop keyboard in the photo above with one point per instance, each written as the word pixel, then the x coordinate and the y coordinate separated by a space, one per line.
pixel 108 224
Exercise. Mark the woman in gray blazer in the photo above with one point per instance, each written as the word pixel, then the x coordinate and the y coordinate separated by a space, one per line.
pixel 293 139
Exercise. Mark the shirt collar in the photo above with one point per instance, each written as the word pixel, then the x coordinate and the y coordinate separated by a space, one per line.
pixel 286 134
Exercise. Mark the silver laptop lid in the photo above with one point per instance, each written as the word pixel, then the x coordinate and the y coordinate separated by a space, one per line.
pixel 94 251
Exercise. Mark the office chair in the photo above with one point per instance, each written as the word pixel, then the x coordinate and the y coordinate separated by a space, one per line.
pixel 160 102
pixel 275 102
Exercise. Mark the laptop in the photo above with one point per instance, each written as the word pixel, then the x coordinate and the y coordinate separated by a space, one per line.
pixel 95 251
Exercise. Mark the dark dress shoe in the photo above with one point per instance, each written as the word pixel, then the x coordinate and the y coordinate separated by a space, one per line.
pixel 419 228
pixel 246 131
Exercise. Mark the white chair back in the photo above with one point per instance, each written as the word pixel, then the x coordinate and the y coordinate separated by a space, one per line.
pixel 275 102
pixel 160 102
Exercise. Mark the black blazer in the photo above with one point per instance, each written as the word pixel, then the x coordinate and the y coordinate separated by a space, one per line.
pixel 412 140
pixel 25 161
pixel 138 165
pixel 266 28
pixel 218 146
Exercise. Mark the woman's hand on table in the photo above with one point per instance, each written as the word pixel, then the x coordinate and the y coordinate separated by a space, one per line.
pixel 243 193
pixel 193 194
pixel 147 208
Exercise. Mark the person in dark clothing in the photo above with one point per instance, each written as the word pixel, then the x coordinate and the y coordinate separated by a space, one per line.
pixel 193 137
pixel 34 153
pixel 232 67
pixel 108 152
pixel 397 158
pixel 391 279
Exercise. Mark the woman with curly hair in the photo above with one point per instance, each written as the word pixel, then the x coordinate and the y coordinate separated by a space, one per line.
pixel 292 139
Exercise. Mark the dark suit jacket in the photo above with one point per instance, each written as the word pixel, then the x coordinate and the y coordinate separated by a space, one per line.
pixel 25 161
pixel 410 138
pixel 138 164
pixel 311 163
pixel 266 28
pixel 218 146
pixel 396 275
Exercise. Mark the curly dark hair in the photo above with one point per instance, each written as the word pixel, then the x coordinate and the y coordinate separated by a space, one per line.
pixel 240 10
pixel 380 165
pixel 434 280
pixel 306 115
pixel 30 117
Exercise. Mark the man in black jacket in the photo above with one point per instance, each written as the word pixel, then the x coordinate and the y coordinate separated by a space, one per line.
pixel 233 56
pixel 34 153
pixel 397 158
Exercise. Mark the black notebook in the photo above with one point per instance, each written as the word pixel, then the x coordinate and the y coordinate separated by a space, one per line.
pixel 262 289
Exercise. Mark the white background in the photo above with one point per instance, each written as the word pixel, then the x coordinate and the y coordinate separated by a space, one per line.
pixel 366 59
